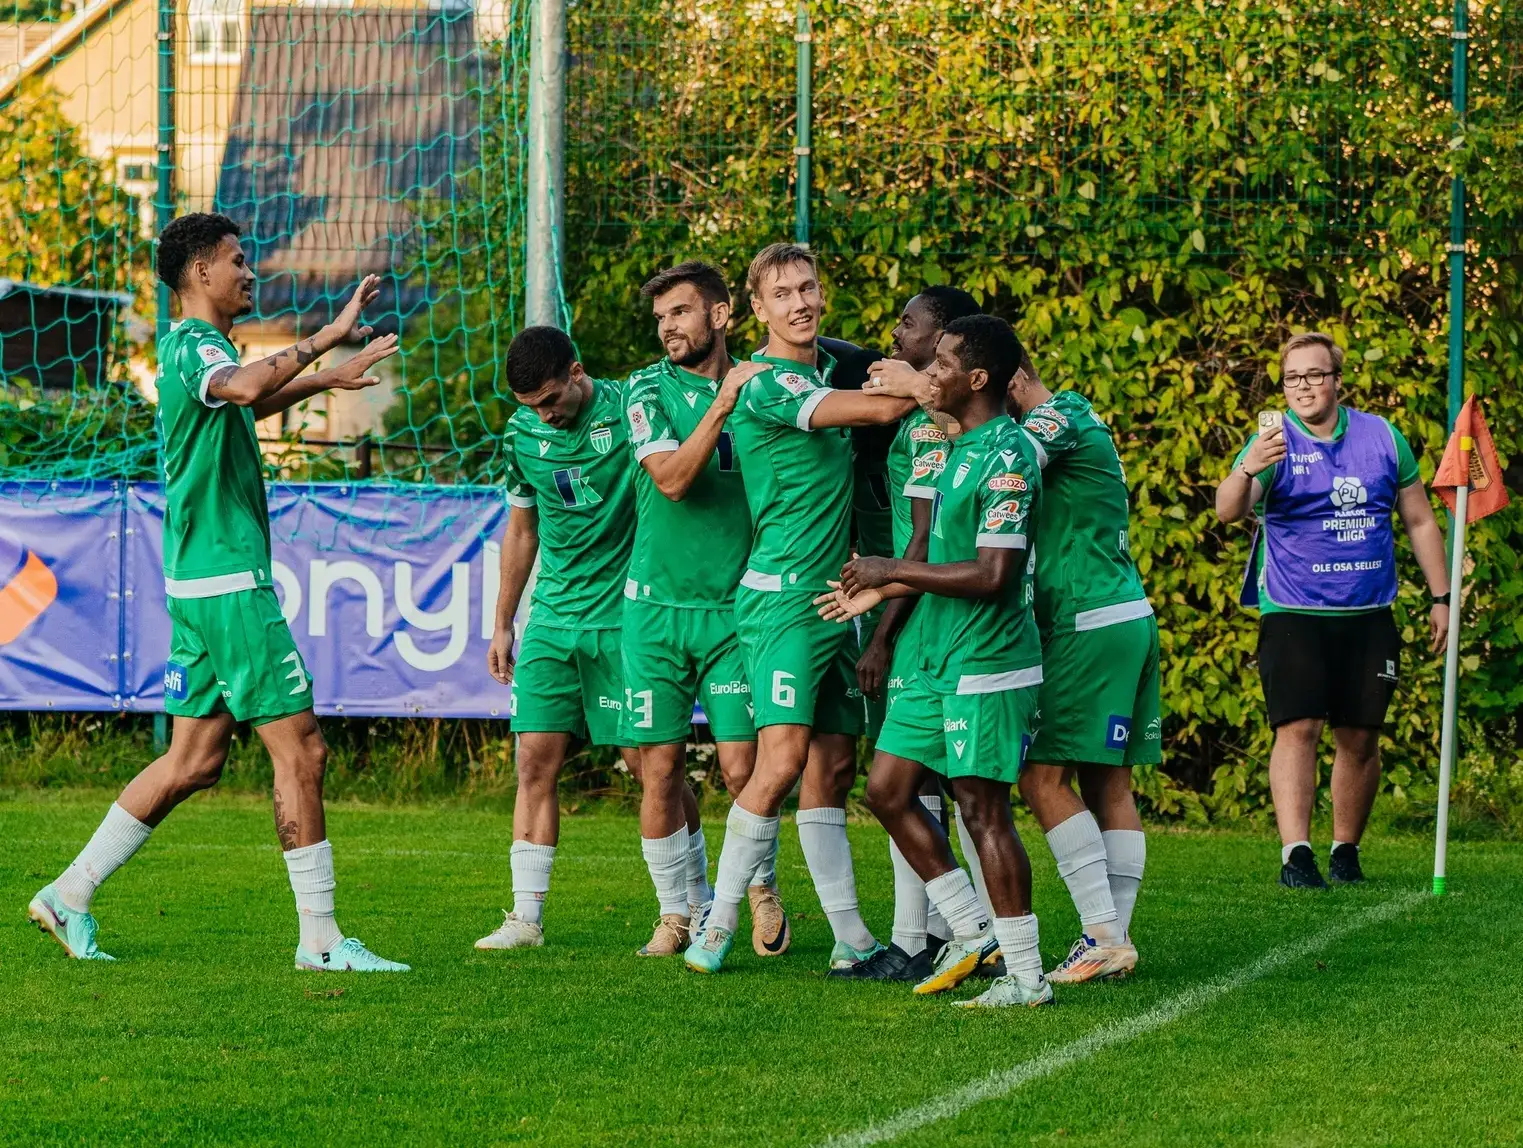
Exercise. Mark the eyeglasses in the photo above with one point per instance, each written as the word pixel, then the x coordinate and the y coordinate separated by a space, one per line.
pixel 1309 379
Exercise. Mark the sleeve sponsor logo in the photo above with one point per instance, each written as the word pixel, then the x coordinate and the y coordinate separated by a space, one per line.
pixel 212 354
pixel 1043 427
pixel 929 465
pixel 639 425
pixel 794 384
pixel 1005 513
pixel 930 432
pixel 1011 481
pixel 1052 414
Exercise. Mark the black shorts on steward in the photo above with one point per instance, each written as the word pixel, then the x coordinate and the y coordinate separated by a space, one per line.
pixel 1339 667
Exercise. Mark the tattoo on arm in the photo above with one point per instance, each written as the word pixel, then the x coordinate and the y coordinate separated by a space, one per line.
pixel 285 828
pixel 303 351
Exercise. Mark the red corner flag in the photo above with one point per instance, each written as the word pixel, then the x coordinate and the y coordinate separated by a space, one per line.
pixel 1470 459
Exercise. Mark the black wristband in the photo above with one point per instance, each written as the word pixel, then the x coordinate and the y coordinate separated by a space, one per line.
pixel 1441 599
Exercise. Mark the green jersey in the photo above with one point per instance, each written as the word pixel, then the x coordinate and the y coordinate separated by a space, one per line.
pixel 689 553
pixel 579 478
pixel 798 481
pixel 216 522
pixel 915 461
pixel 988 496
pixel 1085 575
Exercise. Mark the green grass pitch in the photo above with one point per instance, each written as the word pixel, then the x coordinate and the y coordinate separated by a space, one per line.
pixel 1407 1029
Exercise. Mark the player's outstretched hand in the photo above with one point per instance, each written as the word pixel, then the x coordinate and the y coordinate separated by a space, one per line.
pixel 500 656
pixel 838 606
pixel 347 324
pixel 353 374
pixel 897 380
pixel 735 378
pixel 864 572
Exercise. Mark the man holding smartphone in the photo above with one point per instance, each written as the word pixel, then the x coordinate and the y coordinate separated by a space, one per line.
pixel 1324 480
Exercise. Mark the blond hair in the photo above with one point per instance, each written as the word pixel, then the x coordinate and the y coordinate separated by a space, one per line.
pixel 774 257
pixel 1313 339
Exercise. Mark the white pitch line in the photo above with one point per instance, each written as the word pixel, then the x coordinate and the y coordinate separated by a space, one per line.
pixel 1003 1082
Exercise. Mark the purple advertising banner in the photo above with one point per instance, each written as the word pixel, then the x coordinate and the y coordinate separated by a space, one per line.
pixel 389 594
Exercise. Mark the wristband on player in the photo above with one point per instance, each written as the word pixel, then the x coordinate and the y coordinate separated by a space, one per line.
pixel 1441 599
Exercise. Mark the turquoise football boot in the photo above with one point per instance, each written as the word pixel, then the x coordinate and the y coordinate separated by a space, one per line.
pixel 72 929
pixel 843 956
pixel 709 949
pixel 350 956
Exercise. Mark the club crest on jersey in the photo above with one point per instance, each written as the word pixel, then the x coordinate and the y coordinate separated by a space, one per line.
pixel 1011 481
pixel 602 440
pixel 1004 512
pixel 211 353
pixel 962 473
pixel 930 464
pixel 794 384
pixel 639 425
pixel 930 432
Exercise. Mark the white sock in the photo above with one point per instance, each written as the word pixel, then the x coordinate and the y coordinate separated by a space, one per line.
pixel 748 839
pixel 1017 937
pixel 822 833
pixel 311 871
pixel 1126 853
pixel 1287 850
pixel 935 924
pixel 766 872
pixel 531 879
pixel 699 891
pixel 668 859
pixel 911 906
pixel 119 836
pixel 1079 850
pixel 1335 845
pixel 954 895
pixel 970 856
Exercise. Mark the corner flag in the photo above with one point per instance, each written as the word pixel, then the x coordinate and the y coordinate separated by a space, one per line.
pixel 1469 480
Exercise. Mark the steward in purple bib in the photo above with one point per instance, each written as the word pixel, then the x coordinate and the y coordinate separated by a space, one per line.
pixel 1326 522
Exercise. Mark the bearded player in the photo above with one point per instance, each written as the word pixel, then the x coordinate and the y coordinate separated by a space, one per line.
pixel 231 656
pixel 791 430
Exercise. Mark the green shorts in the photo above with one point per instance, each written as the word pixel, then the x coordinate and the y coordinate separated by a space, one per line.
pixel 961 735
pixel 673 657
pixel 803 669
pixel 568 681
pixel 234 654
pixel 1100 697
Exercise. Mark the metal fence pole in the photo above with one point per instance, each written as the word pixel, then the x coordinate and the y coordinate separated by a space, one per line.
pixel 544 302
pixel 163 211
pixel 803 39
pixel 1461 37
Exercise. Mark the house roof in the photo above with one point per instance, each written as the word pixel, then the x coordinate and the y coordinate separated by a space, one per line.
pixel 39 56
pixel 343 119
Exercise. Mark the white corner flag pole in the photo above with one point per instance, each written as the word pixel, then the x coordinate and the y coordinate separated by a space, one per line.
pixel 1451 681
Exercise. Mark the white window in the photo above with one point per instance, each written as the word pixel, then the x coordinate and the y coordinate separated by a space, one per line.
pixel 216 31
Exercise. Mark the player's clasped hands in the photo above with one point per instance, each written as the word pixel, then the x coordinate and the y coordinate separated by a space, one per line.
pixel 857 592
pixel 897 379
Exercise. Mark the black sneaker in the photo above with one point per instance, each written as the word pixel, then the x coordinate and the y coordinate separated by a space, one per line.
pixel 1301 872
pixel 1343 865
pixel 933 947
pixel 991 967
pixel 890 964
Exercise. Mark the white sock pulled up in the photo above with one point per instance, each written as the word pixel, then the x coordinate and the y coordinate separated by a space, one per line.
pixel 531 879
pixel 1126 854
pixel 668 859
pixel 310 869
pixel 1017 937
pixel 748 839
pixel 699 891
pixel 954 895
pixel 118 837
pixel 1079 850
pixel 822 833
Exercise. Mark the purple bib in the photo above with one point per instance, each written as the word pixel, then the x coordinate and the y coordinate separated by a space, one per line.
pixel 1326 528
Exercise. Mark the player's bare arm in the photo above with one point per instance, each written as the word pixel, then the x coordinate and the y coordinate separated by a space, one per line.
pixel 858 409
pixel 674 472
pixel 984 577
pixel 254 383
pixel 520 546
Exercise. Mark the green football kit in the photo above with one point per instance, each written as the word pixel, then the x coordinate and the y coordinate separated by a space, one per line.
pixel 798 483
pixel 230 649
pixel 915 461
pixel 568 677
pixel 971 707
pixel 1100 693
pixel 679 641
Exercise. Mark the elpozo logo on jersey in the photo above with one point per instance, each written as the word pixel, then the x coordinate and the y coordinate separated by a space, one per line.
pixel 929 432
pixel 29 588
pixel 602 440
pixel 1010 481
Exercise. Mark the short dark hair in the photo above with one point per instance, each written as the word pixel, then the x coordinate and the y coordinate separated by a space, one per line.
pixel 947 304
pixel 988 344
pixel 537 355
pixel 705 277
pixel 187 239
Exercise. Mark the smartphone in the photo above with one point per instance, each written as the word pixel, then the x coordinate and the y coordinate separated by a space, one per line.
pixel 1271 421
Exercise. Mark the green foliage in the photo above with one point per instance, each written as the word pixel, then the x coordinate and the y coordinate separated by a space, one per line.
pixel 1157 195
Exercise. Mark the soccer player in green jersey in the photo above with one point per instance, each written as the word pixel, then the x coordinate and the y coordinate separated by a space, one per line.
pixel 790 429
pixel 692 538
pixel 1099 675
pixel 915 461
pixel 231 657
pixel 571 504
pixel 970 710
